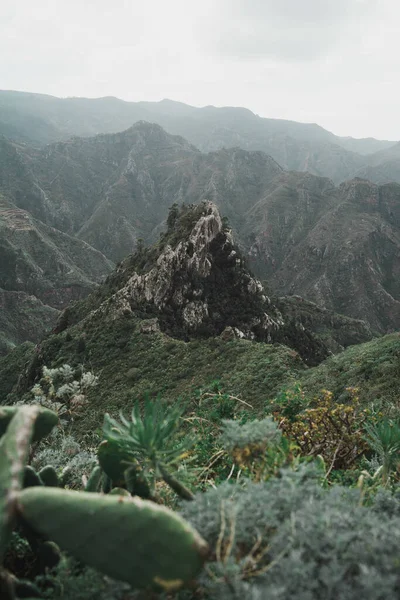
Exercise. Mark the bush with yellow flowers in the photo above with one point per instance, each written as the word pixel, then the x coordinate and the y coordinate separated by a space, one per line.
pixel 328 429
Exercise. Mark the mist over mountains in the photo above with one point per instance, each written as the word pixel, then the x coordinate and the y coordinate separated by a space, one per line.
pixel 296 196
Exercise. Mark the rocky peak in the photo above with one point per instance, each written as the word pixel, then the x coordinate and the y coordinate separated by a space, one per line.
pixel 195 283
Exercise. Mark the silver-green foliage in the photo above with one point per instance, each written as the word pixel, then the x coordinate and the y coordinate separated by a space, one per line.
pixel 291 538
pixel 64 452
pixel 63 389
pixel 237 435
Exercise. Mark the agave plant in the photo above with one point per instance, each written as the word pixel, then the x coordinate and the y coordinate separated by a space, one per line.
pixel 384 438
pixel 151 436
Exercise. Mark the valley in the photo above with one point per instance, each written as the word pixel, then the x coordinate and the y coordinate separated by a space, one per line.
pixel 199 318
pixel 336 246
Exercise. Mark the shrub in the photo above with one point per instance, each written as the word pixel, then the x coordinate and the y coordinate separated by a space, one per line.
pixel 384 438
pixel 290 538
pixel 63 452
pixel 331 430
pixel 64 389
pixel 290 402
pixel 258 447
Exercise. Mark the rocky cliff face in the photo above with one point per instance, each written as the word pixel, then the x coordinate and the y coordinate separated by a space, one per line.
pixel 199 286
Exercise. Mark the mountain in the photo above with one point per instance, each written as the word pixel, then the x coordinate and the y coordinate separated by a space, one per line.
pixel 334 330
pixel 338 247
pixel 110 190
pixel 187 282
pixel 23 317
pixel 40 119
pixel 41 271
pixel 180 313
pixel 335 246
pixel 383 166
pixel 43 261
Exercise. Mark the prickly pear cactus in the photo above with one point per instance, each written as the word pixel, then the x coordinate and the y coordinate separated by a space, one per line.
pixel 119 492
pixel 48 475
pixel 130 539
pixel 31 478
pixel 137 483
pixel 94 481
pixel 114 460
pixel 14 449
pixel 7 588
pixel 45 421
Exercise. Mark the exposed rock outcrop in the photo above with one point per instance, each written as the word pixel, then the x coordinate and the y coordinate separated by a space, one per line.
pixel 195 282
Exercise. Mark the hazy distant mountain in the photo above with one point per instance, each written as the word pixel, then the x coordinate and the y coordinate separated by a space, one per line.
pixel 383 166
pixel 41 271
pixel 40 119
pixel 338 247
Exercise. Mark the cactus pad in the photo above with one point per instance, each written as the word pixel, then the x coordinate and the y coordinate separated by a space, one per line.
pixel 45 421
pixel 14 449
pixel 126 538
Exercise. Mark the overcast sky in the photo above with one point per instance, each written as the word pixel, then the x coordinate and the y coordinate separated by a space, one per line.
pixel 334 62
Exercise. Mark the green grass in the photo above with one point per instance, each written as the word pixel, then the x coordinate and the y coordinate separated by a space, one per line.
pixel 131 364
pixel 373 367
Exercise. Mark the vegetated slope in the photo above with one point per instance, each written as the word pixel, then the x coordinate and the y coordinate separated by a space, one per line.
pixel 373 368
pixel 180 286
pixel 335 330
pixel 40 119
pixel 133 358
pixel 335 246
pixel 172 318
pixel 41 271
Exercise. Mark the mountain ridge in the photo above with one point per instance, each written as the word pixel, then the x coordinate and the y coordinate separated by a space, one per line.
pixel 296 146
pixel 114 189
